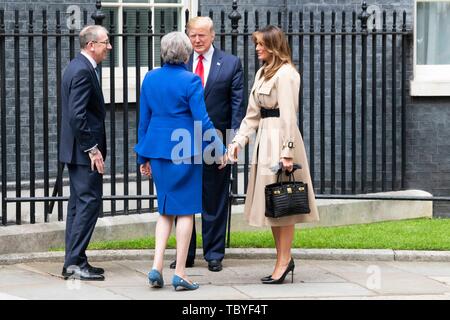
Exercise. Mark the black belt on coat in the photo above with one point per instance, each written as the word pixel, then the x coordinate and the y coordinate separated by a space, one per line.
pixel 266 113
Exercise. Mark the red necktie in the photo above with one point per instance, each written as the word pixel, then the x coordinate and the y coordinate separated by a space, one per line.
pixel 199 70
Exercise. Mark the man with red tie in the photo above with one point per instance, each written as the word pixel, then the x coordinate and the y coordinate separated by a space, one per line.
pixel 222 79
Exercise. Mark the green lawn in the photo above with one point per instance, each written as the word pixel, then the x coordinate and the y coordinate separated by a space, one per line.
pixel 414 234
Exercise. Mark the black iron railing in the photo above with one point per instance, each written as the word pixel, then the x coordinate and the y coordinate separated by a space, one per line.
pixel 353 124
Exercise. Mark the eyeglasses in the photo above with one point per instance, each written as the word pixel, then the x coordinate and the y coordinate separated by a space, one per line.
pixel 106 42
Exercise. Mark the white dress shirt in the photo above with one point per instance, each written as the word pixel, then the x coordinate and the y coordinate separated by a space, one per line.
pixel 207 59
pixel 91 60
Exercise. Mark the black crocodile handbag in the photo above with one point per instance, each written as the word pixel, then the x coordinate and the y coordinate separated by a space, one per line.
pixel 286 198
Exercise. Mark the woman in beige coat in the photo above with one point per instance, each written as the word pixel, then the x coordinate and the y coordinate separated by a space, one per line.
pixel 272 114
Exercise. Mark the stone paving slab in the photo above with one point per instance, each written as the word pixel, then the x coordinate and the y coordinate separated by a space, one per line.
pixel 395 297
pixel 5 296
pixel 305 290
pixel 385 279
pixel 205 292
pixel 444 280
pixel 239 280
pixel 423 268
pixel 62 290
pixel 14 275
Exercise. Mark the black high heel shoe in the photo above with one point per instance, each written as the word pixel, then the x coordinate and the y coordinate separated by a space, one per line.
pixel 290 268
pixel 266 278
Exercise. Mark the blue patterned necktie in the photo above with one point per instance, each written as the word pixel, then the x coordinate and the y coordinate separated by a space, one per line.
pixel 97 72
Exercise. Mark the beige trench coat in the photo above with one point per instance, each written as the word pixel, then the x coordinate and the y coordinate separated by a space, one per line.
pixel 272 143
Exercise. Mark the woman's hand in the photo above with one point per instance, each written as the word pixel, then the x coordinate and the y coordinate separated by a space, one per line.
pixel 287 163
pixel 223 161
pixel 146 170
pixel 233 151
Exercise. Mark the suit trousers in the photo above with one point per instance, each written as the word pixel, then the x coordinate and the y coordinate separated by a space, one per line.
pixel 83 210
pixel 214 215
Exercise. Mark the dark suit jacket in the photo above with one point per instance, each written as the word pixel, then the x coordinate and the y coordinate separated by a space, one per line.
pixel 83 113
pixel 224 91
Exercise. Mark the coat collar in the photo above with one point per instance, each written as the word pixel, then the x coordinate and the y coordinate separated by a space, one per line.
pixel 175 65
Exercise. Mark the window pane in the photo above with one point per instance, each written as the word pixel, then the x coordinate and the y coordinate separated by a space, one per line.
pixel 433 32
pixel 169 24
pixel 135 1
pixel 143 28
pixel 107 25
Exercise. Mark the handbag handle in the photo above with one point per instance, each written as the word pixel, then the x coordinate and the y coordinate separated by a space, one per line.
pixel 289 174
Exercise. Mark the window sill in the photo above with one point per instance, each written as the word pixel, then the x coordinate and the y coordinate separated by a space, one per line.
pixel 427 88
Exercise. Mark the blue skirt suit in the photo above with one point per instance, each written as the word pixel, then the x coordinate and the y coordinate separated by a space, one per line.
pixel 172 120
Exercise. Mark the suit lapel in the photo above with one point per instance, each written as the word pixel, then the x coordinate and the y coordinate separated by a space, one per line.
pixel 94 75
pixel 214 70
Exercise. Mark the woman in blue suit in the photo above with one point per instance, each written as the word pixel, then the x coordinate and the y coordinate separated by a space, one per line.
pixel 170 148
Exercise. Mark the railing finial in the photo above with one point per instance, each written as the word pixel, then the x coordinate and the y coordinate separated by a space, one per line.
pixel 235 16
pixel 98 15
pixel 364 16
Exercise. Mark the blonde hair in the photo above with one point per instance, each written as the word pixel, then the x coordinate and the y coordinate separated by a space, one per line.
pixel 274 41
pixel 200 20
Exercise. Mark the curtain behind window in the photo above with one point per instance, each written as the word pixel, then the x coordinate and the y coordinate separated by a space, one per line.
pixel 433 33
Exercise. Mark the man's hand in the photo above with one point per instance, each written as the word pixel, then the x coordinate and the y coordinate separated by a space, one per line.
pixel 97 161
pixel 146 170
pixel 233 151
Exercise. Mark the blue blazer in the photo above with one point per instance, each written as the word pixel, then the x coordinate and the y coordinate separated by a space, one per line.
pixel 83 113
pixel 224 90
pixel 171 100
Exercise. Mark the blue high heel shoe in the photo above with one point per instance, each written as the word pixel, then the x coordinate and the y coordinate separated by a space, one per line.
pixel 178 282
pixel 155 279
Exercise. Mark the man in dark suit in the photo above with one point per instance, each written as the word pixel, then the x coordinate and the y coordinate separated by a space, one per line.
pixel 83 149
pixel 222 79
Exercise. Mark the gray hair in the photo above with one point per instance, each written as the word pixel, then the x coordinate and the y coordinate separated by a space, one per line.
pixel 175 47
pixel 90 33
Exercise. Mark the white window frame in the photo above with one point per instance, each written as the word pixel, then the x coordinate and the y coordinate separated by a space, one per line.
pixel 191 5
pixel 429 80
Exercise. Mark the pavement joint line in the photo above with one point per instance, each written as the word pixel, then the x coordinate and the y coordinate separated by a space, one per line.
pixel 241 292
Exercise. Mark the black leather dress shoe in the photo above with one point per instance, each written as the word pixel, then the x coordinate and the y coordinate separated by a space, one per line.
pixel 81 274
pixel 215 265
pixel 92 269
pixel 189 264
pixel 95 270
